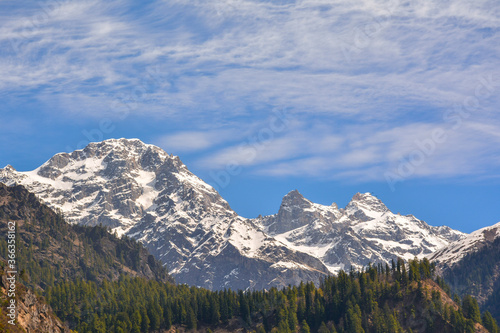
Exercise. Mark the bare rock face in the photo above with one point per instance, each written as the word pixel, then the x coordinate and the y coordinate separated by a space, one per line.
pixel 139 190
pixel 295 212
pixel 33 314
pixel 363 232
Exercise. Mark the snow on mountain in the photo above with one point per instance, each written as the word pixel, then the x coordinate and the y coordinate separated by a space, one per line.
pixel 451 254
pixel 364 231
pixel 140 191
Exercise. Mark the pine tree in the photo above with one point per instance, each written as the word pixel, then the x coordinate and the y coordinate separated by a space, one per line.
pixel 470 309
pixel 98 325
pixel 155 314
pixel 353 319
pixel 191 320
pixel 490 323
pixel 145 321
pixel 323 328
pixel 304 327
pixel 136 322
pixel 244 308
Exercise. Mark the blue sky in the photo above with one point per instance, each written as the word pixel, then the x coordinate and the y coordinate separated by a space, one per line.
pixel 399 98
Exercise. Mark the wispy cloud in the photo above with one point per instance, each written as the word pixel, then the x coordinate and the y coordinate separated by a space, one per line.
pixel 367 79
pixel 190 141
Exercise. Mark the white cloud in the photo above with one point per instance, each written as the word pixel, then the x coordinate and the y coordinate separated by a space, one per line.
pixel 368 78
pixel 194 140
pixel 367 153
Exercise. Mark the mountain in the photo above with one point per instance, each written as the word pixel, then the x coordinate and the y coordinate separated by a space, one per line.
pixel 139 190
pixel 364 231
pixel 454 252
pixel 50 252
pixel 97 282
pixel 471 266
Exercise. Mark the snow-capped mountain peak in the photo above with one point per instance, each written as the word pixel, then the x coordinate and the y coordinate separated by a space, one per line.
pixel 364 231
pixel 294 201
pixel 139 190
pixel 365 206
pixel 295 212
pixel 451 254
pixel 116 183
pixel 9 167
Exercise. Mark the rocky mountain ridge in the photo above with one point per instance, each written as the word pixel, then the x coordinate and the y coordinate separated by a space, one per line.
pixel 471 266
pixel 364 231
pixel 449 255
pixel 139 190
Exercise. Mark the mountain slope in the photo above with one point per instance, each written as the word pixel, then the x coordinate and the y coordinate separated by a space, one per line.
pixel 364 231
pixel 124 296
pixel 33 313
pixel 453 253
pixel 471 266
pixel 49 252
pixel 140 191
pixel 375 300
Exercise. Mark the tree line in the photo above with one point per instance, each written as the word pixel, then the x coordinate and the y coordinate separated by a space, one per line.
pixel 383 298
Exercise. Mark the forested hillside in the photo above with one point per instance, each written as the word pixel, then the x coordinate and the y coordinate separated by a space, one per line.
pixel 478 274
pixel 380 299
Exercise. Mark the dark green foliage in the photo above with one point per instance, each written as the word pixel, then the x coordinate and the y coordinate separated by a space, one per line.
pixel 356 302
pixel 477 274
pixel 305 327
pixel 323 328
pixel 490 323
pixel 470 309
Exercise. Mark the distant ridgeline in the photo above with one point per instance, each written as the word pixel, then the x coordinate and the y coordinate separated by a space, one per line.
pixel 96 282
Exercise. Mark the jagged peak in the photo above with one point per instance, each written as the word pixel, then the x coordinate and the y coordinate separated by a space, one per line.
pixel 367 201
pixel 122 142
pixel 117 143
pixel 293 198
pixel 363 196
pixel 293 194
pixel 122 146
pixel 9 168
pixel 9 176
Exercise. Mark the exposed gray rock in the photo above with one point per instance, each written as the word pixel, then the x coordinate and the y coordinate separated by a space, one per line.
pixel 140 191
pixel 364 232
